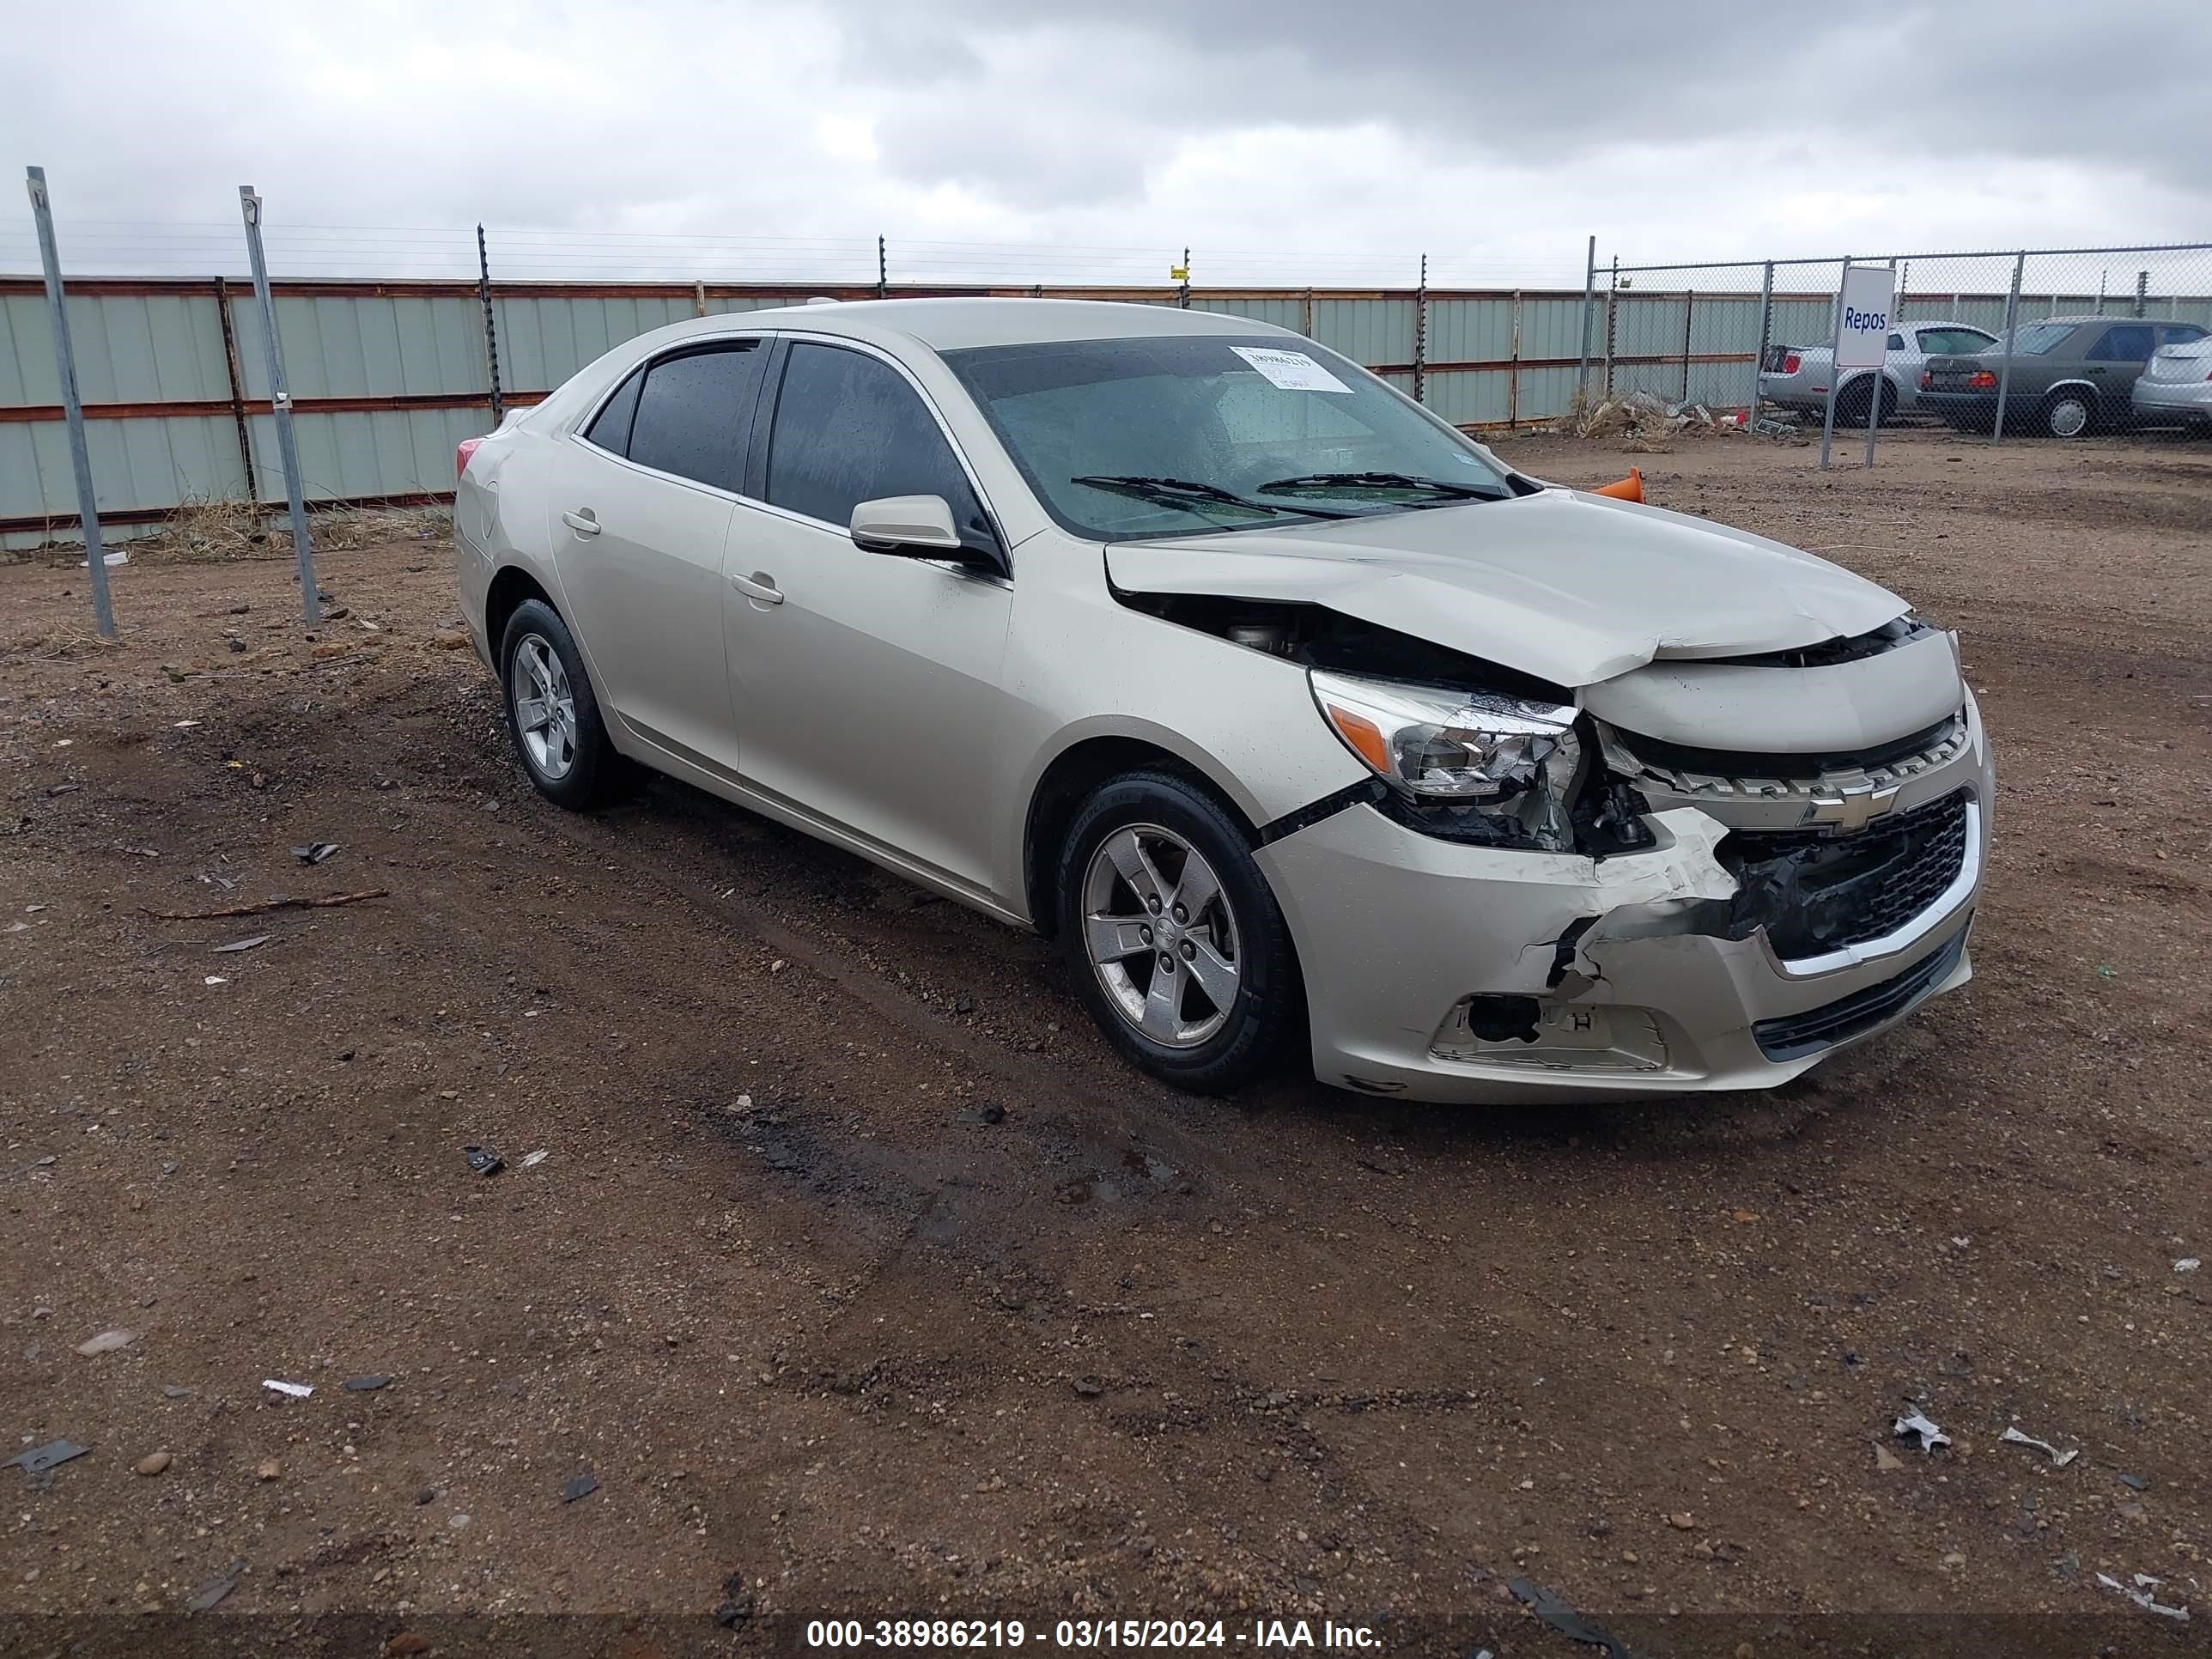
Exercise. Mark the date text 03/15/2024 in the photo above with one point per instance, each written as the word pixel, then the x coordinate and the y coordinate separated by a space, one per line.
pixel 1258 1634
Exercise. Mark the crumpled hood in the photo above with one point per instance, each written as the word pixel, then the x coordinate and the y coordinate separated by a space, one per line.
pixel 1570 588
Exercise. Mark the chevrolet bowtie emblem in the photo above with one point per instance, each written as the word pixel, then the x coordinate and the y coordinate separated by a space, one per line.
pixel 1850 808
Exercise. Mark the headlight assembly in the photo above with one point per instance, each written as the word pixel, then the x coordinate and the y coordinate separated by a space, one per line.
pixel 1469 765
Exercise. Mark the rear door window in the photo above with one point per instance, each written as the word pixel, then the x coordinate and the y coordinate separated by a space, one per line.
pixel 610 429
pixel 2124 343
pixel 849 428
pixel 2180 334
pixel 695 411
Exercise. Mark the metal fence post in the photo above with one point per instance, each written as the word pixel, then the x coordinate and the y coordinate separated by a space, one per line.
pixel 1835 375
pixel 1765 328
pixel 1689 312
pixel 1513 369
pixel 1183 294
pixel 1881 384
pixel 2012 325
pixel 883 269
pixel 1612 298
pixel 1421 336
pixel 1590 295
pixel 95 554
pixel 280 405
pixel 491 326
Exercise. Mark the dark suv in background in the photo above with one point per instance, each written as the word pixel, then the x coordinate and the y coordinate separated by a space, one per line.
pixel 2071 375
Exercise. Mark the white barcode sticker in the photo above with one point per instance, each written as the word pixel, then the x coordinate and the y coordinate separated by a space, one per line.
pixel 1293 371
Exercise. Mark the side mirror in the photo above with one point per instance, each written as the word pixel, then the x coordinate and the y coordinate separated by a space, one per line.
pixel 914 525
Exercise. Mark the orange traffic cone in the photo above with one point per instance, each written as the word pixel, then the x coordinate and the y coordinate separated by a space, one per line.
pixel 1630 488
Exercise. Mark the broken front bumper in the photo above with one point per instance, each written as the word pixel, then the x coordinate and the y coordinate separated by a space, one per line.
pixel 1439 972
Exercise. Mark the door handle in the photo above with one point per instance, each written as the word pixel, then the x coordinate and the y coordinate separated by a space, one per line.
pixel 759 586
pixel 583 521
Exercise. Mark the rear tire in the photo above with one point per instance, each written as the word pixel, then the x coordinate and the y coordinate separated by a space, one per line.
pixel 553 713
pixel 2070 413
pixel 1853 404
pixel 1220 1012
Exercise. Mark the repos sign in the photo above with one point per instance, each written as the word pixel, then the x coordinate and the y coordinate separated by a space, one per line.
pixel 1863 325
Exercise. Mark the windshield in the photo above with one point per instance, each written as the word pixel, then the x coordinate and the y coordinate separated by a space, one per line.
pixel 2037 338
pixel 1160 437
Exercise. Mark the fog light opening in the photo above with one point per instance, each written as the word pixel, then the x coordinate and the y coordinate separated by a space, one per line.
pixel 1555 1036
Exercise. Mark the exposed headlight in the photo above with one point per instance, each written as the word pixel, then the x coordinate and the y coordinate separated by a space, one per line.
pixel 1470 764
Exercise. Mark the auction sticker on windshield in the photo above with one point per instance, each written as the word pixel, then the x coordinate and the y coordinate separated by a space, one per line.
pixel 1293 371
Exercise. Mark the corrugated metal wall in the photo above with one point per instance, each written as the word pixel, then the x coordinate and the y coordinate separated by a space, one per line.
pixel 387 378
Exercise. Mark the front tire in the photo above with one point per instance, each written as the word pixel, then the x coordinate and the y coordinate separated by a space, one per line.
pixel 552 712
pixel 1173 937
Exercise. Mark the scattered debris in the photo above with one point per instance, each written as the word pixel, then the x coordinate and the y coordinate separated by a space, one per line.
pixel 985 1114
pixel 406 1644
pixel 214 979
pixel 2134 1482
pixel 281 902
pixel 1090 1387
pixel 268 1469
pixel 2059 1459
pixel 450 639
pixel 532 1160
pixel 2187 1264
pixel 107 1342
pixel 314 851
pixel 582 1485
pixel 297 1390
pixel 215 1589
pixel 369 1383
pixel 483 1160
pixel 180 726
pixel 154 1464
pixel 2139 1594
pixel 39 1459
pixel 171 1391
pixel 1930 1437
pixel 1744 1218
pixel 1548 1606
pixel 1885 1460
pixel 253 944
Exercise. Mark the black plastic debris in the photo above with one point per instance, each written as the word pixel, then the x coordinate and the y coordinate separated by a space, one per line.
pixel 1548 1607
pixel 993 1114
pixel 314 851
pixel 582 1485
pixel 215 1589
pixel 39 1459
pixel 483 1161
pixel 2136 1482
pixel 367 1384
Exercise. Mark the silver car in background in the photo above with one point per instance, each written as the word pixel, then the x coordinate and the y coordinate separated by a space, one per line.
pixel 2175 388
pixel 1299 719
pixel 1797 377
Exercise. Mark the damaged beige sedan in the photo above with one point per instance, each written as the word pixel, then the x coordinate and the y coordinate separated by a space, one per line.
pixel 1298 719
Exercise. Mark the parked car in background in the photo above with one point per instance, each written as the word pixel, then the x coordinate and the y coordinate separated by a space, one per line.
pixel 1797 377
pixel 2176 389
pixel 1301 719
pixel 2069 376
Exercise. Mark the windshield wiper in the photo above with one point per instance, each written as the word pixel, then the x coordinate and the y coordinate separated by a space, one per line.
pixel 1176 492
pixel 1324 483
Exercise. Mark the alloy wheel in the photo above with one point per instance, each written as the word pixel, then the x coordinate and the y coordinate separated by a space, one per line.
pixel 1160 935
pixel 544 708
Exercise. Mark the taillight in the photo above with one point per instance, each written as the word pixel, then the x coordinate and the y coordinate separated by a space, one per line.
pixel 468 447
pixel 1927 379
pixel 1790 362
pixel 1981 380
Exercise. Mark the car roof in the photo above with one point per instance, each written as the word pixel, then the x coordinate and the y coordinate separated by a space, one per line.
pixel 954 324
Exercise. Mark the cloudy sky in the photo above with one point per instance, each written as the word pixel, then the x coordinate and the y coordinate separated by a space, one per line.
pixel 1291 141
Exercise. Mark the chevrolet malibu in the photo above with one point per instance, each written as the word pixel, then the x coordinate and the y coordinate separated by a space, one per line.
pixel 1298 719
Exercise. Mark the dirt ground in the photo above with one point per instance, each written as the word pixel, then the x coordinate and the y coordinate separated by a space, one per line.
pixel 865 1282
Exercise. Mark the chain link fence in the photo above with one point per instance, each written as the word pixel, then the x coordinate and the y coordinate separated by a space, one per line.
pixel 2059 343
